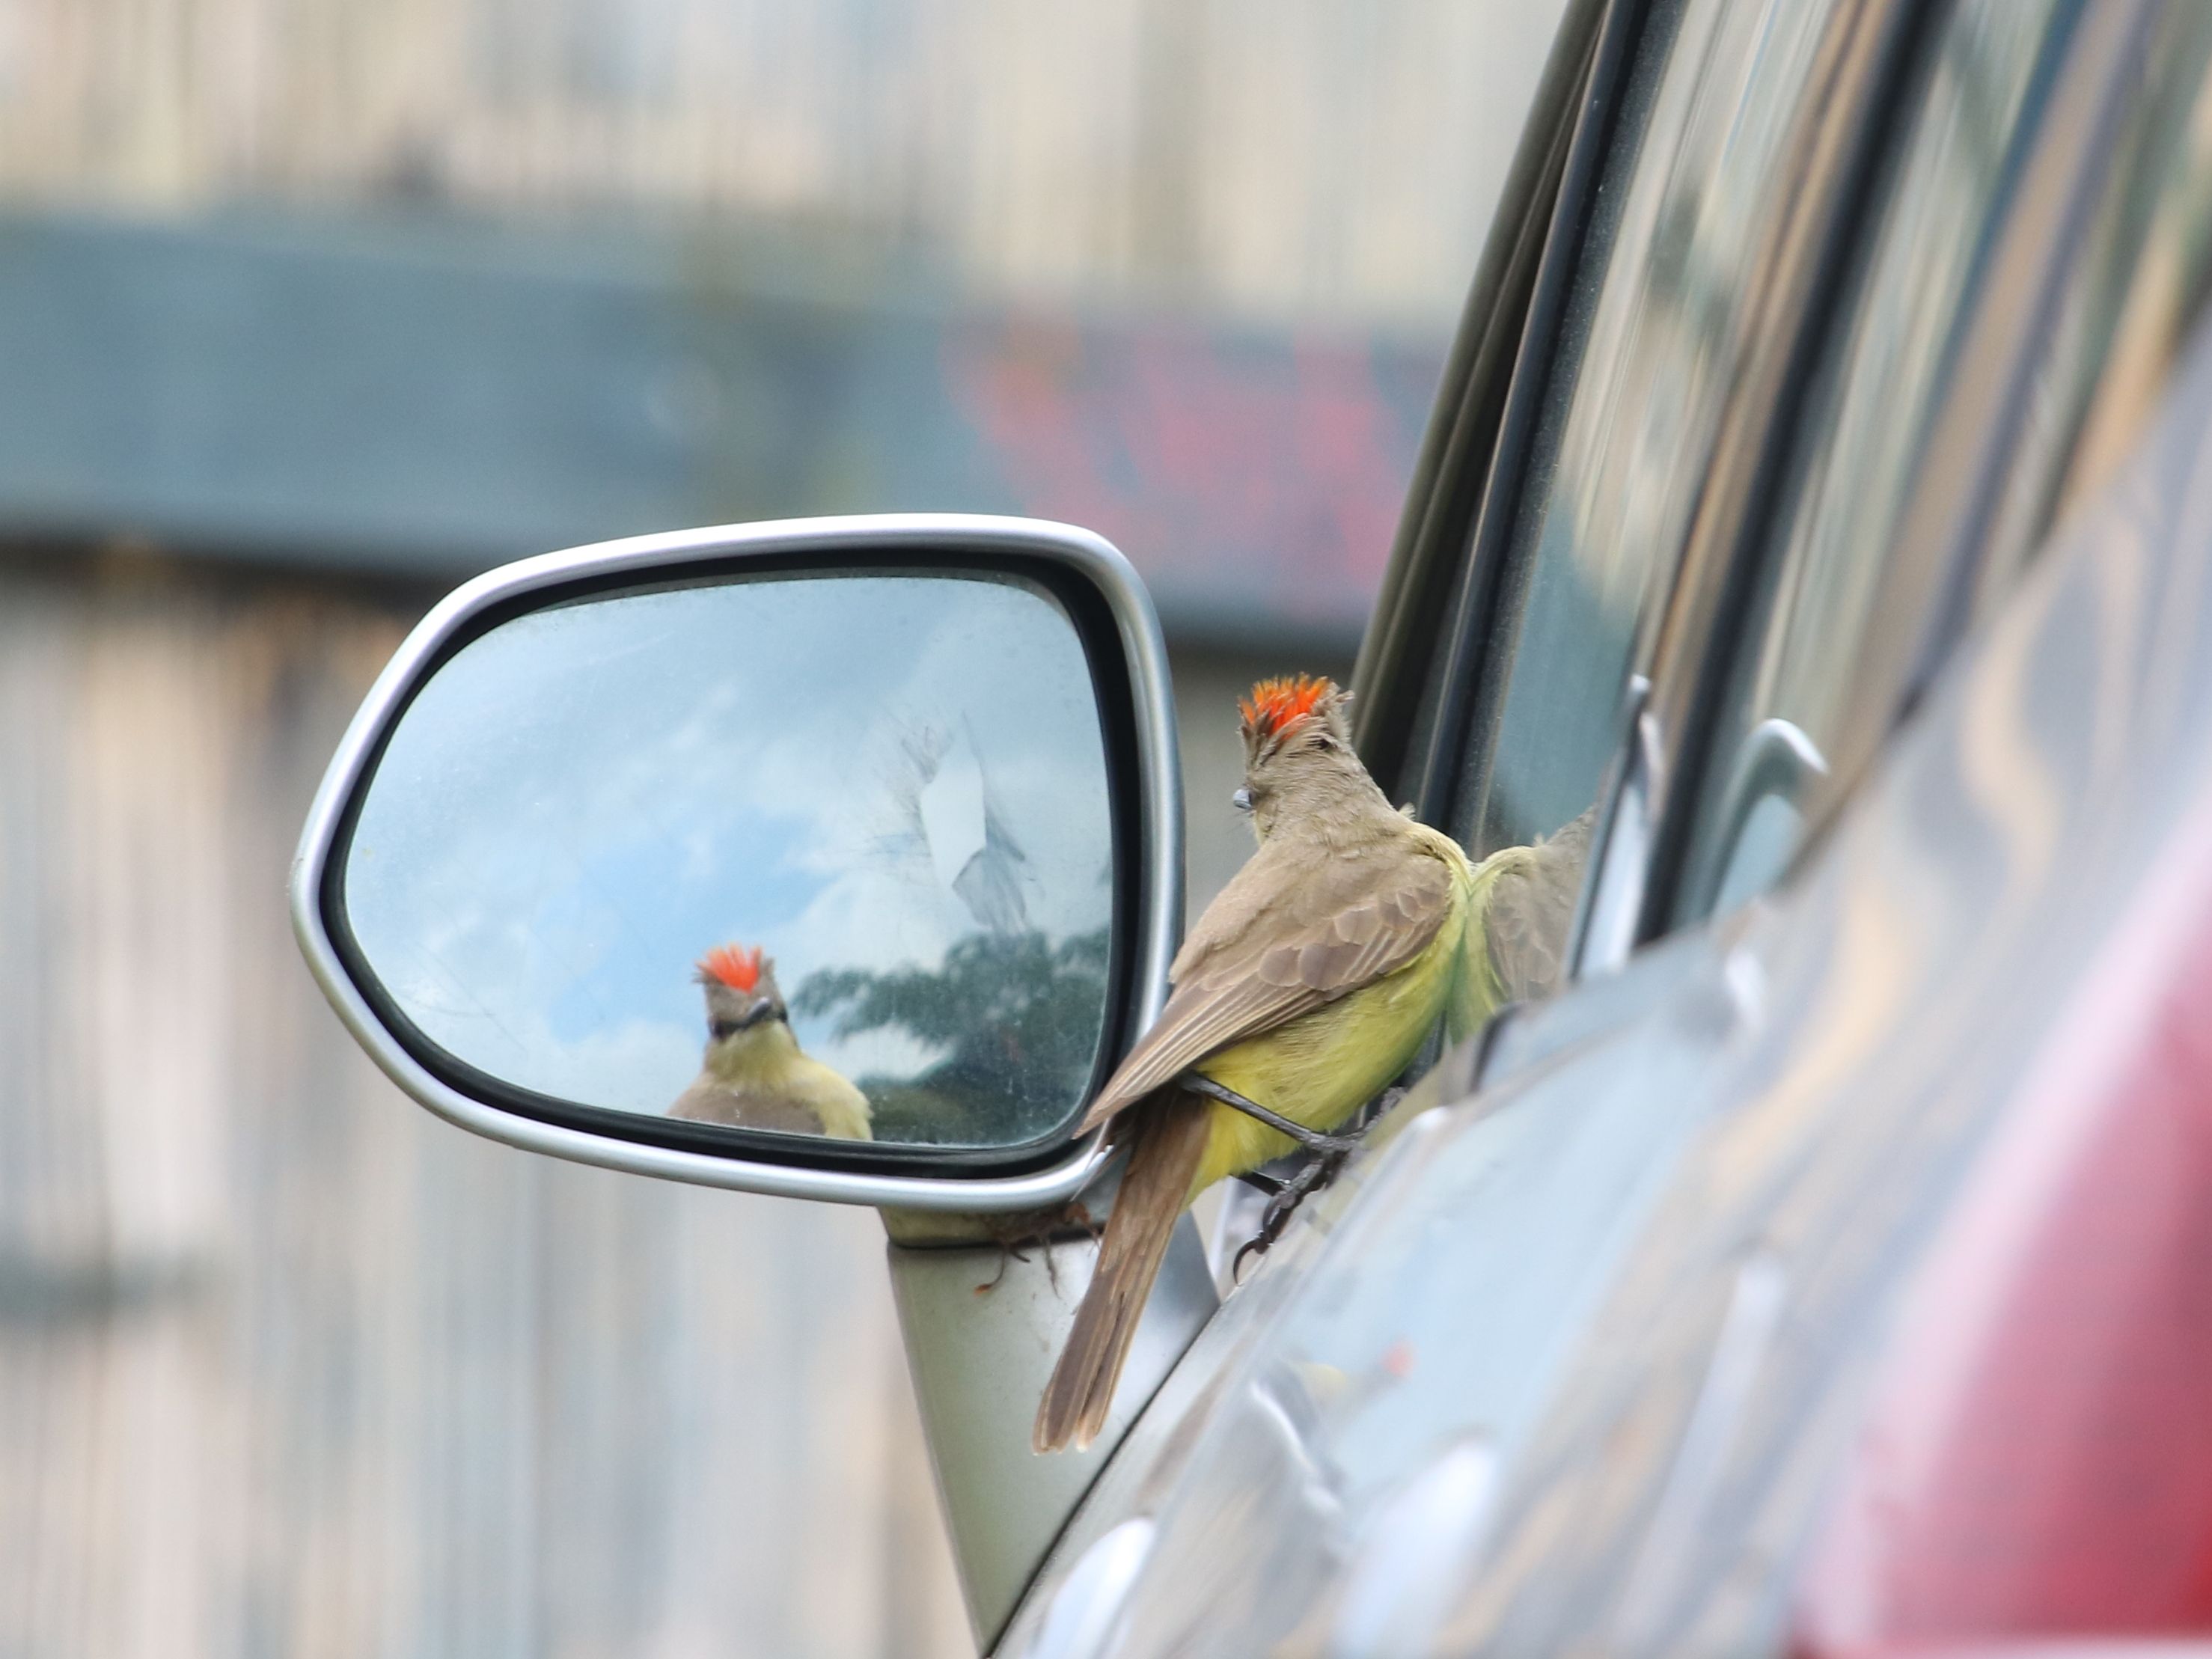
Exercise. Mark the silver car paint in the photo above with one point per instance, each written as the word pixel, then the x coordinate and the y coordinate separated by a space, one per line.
pixel 1647 1273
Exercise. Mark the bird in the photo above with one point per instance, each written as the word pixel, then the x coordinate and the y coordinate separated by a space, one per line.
pixel 1306 987
pixel 1525 905
pixel 755 1075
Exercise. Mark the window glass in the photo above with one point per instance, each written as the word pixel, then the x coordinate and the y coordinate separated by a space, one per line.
pixel 1646 355
pixel 2121 321
pixel 1799 673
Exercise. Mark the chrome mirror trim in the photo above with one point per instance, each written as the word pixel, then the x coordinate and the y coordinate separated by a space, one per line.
pixel 1159 830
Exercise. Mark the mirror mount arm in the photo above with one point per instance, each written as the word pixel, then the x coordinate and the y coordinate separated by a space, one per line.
pixel 984 1321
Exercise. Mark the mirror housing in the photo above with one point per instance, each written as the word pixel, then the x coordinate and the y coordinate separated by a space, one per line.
pixel 1128 677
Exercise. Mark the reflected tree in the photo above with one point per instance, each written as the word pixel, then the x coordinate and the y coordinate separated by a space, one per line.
pixel 1015 1016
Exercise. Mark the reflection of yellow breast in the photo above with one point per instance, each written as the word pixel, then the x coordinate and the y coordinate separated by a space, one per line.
pixel 842 1109
pixel 762 1076
pixel 1320 1068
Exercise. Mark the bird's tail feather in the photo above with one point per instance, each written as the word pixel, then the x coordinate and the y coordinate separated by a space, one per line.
pixel 1170 1140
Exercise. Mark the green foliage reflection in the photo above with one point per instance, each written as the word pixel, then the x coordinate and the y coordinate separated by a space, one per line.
pixel 1016 1016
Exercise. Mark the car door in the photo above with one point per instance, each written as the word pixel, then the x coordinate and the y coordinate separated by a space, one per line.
pixel 2000 221
pixel 1638 321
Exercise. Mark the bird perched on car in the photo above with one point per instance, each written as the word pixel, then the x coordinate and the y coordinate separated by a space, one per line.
pixel 756 1076
pixel 1306 987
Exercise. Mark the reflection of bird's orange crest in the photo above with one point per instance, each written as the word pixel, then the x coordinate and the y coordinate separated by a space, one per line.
pixel 1277 705
pixel 733 964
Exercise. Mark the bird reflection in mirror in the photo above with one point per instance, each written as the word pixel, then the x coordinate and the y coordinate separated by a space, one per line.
pixel 756 1076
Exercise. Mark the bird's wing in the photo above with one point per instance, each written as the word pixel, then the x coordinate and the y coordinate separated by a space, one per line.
pixel 1289 935
pixel 1531 893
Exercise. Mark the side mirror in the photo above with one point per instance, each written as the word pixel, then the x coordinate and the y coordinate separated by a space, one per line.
pixel 836 858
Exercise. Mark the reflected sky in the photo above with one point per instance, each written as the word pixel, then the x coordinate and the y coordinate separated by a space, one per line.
pixel 853 771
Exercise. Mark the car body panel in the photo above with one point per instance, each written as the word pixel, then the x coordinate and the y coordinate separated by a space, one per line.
pixel 1648 1274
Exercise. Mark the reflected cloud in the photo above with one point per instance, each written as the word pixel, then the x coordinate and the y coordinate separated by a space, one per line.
pixel 862 772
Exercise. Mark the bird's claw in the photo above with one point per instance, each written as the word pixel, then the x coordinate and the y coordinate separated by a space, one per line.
pixel 1012 1251
pixel 1015 1234
pixel 1328 1153
pixel 1284 1204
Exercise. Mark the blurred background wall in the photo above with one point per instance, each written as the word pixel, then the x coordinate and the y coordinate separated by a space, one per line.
pixel 309 308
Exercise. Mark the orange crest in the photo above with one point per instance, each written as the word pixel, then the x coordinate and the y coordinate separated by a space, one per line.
pixel 734 965
pixel 1275 706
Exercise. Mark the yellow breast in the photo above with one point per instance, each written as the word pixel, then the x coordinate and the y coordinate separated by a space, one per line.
pixel 1320 1068
pixel 842 1109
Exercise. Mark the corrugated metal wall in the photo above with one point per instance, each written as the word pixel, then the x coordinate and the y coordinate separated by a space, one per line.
pixel 287 1366
pixel 1336 157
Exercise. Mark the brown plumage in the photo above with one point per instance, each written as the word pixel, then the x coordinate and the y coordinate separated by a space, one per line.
pixel 1344 895
pixel 1166 1143
pixel 1528 908
pixel 1288 935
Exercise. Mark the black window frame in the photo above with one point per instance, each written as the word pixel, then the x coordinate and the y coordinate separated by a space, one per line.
pixel 1421 694
pixel 1931 589
pixel 1477 426
pixel 1421 663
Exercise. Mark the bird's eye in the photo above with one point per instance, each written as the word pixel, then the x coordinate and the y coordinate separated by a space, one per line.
pixel 1241 801
pixel 717 1029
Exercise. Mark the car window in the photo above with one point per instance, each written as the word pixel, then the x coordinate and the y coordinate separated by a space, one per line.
pixel 1657 325
pixel 2120 323
pixel 1802 667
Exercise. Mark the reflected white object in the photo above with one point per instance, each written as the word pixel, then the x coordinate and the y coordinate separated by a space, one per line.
pixel 1756 1307
pixel 1086 1608
pixel 1409 1563
pixel 1764 807
pixel 951 803
pixel 1763 849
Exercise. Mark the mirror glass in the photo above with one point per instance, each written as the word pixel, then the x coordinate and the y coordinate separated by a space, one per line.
pixel 817 854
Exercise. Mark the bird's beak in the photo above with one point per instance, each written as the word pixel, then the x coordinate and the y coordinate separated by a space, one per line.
pixel 759 1011
pixel 1241 801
